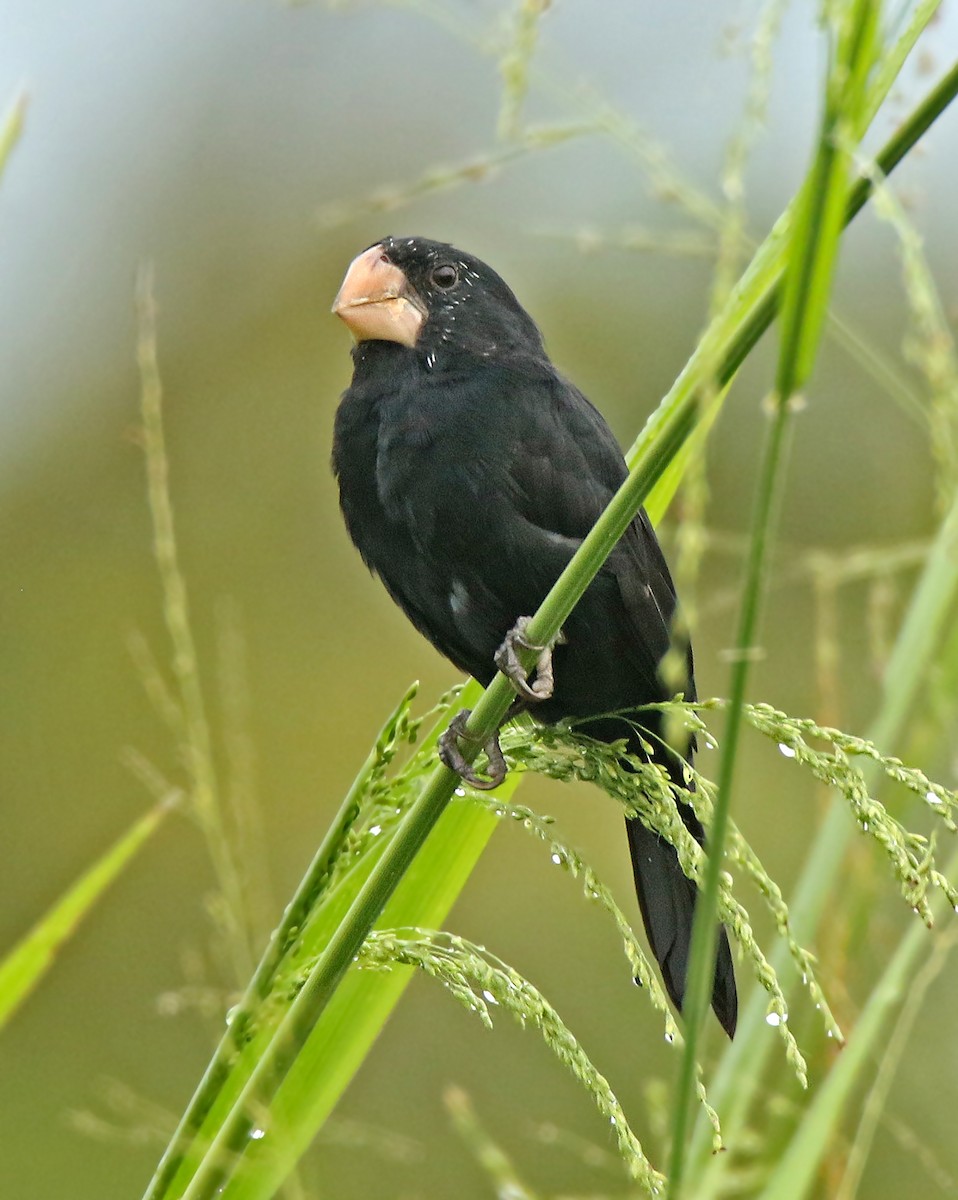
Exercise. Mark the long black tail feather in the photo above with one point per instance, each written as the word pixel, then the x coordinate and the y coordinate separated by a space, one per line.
pixel 667 900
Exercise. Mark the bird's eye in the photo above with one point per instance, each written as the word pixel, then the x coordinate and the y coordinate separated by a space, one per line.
pixel 445 277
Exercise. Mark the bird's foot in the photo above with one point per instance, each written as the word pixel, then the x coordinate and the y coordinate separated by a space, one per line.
pixel 508 661
pixel 451 754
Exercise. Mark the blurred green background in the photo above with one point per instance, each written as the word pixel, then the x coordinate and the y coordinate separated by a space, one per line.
pixel 212 139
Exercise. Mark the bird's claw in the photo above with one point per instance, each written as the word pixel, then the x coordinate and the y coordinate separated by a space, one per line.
pixel 451 755
pixel 508 661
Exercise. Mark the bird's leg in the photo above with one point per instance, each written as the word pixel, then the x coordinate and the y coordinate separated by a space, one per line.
pixel 508 661
pixel 452 756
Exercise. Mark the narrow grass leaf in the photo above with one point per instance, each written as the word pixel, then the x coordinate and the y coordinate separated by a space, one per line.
pixel 812 252
pixel 11 129
pixel 926 624
pixel 23 967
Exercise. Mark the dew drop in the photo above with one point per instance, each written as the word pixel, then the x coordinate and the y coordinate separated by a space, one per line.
pixel 375 830
pixel 775 1019
pixel 557 859
pixel 864 826
pixel 460 791
pixel 613 1121
pixel 231 1015
pixel 932 798
pixel 710 742
pixel 257 1134
pixel 487 995
pixel 670 1038
pixel 787 751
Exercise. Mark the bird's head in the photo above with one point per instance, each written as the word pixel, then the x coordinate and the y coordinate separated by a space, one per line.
pixel 435 300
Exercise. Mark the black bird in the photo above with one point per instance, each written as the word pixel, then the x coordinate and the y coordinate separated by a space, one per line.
pixel 470 471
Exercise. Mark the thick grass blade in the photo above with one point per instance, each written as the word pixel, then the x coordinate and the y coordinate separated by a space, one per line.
pixel 332 1048
pixel 823 201
pixel 216 1083
pixel 361 1006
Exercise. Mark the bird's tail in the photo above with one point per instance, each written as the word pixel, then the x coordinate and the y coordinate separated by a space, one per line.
pixel 667 899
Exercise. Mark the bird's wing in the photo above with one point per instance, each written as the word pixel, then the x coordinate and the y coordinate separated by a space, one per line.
pixel 491 482
pixel 567 467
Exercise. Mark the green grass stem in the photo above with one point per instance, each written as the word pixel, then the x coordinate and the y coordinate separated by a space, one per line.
pixel 926 625
pixel 811 260
pixel 196 739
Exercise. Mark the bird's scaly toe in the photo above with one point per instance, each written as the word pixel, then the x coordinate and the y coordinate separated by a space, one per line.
pixel 450 753
pixel 509 663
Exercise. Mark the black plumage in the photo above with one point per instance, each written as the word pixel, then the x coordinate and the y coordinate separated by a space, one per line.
pixel 469 472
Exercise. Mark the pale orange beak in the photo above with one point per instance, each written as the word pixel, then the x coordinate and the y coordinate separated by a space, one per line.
pixel 377 302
